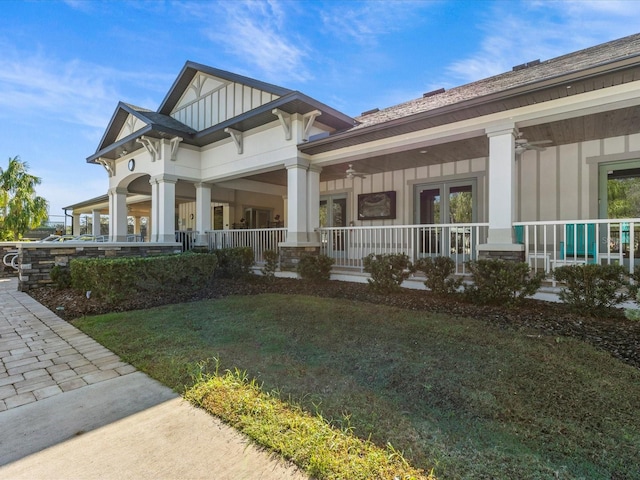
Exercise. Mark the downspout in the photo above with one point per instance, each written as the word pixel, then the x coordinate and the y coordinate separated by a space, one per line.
pixel 65 222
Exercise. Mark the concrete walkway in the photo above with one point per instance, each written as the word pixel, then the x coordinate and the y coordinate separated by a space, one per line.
pixel 70 408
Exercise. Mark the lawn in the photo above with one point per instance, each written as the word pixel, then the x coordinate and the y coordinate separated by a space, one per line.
pixel 461 396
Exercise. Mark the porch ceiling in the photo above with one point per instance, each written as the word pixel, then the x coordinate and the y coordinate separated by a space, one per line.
pixel 613 123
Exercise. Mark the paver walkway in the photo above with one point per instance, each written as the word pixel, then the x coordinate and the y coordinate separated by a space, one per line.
pixel 70 408
pixel 41 355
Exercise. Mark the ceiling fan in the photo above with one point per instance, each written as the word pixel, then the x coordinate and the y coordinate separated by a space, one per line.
pixel 522 145
pixel 351 173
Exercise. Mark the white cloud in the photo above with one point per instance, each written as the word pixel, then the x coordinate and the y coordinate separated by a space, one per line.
pixel 70 91
pixel 365 22
pixel 257 33
pixel 519 32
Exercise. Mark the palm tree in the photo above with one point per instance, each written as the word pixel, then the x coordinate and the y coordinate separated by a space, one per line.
pixel 21 209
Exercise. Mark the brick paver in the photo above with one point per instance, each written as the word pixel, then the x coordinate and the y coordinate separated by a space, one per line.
pixel 41 355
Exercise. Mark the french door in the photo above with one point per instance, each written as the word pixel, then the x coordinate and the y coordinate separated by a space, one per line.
pixel 333 213
pixel 445 203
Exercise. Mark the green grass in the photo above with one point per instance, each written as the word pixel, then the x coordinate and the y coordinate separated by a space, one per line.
pixel 456 395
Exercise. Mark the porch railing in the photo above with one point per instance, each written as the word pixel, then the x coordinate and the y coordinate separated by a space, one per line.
pixel 187 238
pixel 550 244
pixel 259 239
pixel 349 245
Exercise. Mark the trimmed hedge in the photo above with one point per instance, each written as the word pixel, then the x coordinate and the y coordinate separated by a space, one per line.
pixel 315 268
pixel 440 273
pixel 591 289
pixel 234 262
pixel 387 270
pixel 119 278
pixel 501 282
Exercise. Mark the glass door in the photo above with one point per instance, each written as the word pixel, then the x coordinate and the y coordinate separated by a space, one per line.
pixel 333 213
pixel 619 197
pixel 445 203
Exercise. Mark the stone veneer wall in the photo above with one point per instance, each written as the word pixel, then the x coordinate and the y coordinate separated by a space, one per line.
pixel 508 256
pixel 290 256
pixel 37 259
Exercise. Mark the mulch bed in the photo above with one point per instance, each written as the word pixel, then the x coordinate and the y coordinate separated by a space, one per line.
pixel 613 333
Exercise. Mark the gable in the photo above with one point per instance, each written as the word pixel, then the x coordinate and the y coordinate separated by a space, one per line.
pixel 132 124
pixel 210 100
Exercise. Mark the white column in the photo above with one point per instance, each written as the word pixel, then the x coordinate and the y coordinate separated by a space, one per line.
pixel 136 225
pixel 203 211
pixel 502 184
pixel 297 198
pixel 95 227
pixel 118 214
pixel 76 224
pixel 153 216
pixel 313 203
pixel 166 203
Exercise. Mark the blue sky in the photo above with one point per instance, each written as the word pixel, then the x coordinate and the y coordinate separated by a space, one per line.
pixel 64 65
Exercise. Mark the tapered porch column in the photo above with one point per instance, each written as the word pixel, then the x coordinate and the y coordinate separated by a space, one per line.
pixel 118 214
pixel 95 226
pixel 302 213
pixel 297 201
pixel 203 211
pixel 313 203
pixel 163 208
pixel 75 228
pixel 502 196
pixel 153 215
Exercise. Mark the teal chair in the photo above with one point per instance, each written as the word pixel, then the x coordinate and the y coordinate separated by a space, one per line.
pixel 518 230
pixel 580 241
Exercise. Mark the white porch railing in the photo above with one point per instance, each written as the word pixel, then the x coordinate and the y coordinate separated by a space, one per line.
pixel 187 238
pixel 547 244
pixel 259 239
pixel 348 245
pixel 551 244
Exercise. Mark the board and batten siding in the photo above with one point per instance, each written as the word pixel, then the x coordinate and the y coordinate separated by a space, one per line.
pixel 403 183
pixel 561 182
pixel 209 101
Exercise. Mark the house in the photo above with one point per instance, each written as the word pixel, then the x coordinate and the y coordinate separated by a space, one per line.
pixel 518 166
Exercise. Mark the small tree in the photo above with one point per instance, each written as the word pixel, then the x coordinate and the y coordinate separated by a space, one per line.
pixel 20 208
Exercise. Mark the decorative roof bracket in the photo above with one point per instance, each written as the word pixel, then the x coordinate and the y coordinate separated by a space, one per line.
pixel 285 121
pixel 236 136
pixel 307 123
pixel 152 147
pixel 175 142
pixel 109 165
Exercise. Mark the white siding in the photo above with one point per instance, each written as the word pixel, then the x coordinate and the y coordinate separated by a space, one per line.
pixel 209 101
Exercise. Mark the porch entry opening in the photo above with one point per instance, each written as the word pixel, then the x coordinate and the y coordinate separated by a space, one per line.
pixel 257 218
pixel 445 203
pixel 333 213
pixel 619 197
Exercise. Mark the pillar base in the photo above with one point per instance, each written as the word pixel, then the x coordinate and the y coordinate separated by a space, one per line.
pixel 509 252
pixel 291 253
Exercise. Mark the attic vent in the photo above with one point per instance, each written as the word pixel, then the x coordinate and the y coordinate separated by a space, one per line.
pixel 533 63
pixel 369 112
pixel 432 93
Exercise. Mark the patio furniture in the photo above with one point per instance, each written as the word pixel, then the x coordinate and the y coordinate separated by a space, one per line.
pixel 580 243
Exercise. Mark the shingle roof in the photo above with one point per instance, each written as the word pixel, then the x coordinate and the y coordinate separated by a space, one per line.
pixel 566 64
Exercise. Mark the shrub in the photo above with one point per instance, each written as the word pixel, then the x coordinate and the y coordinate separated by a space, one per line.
pixel 270 263
pixel 591 289
pixel 119 278
pixel 388 271
pixel 316 268
pixel 633 313
pixel 234 262
pixel 61 277
pixel 501 282
pixel 439 272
